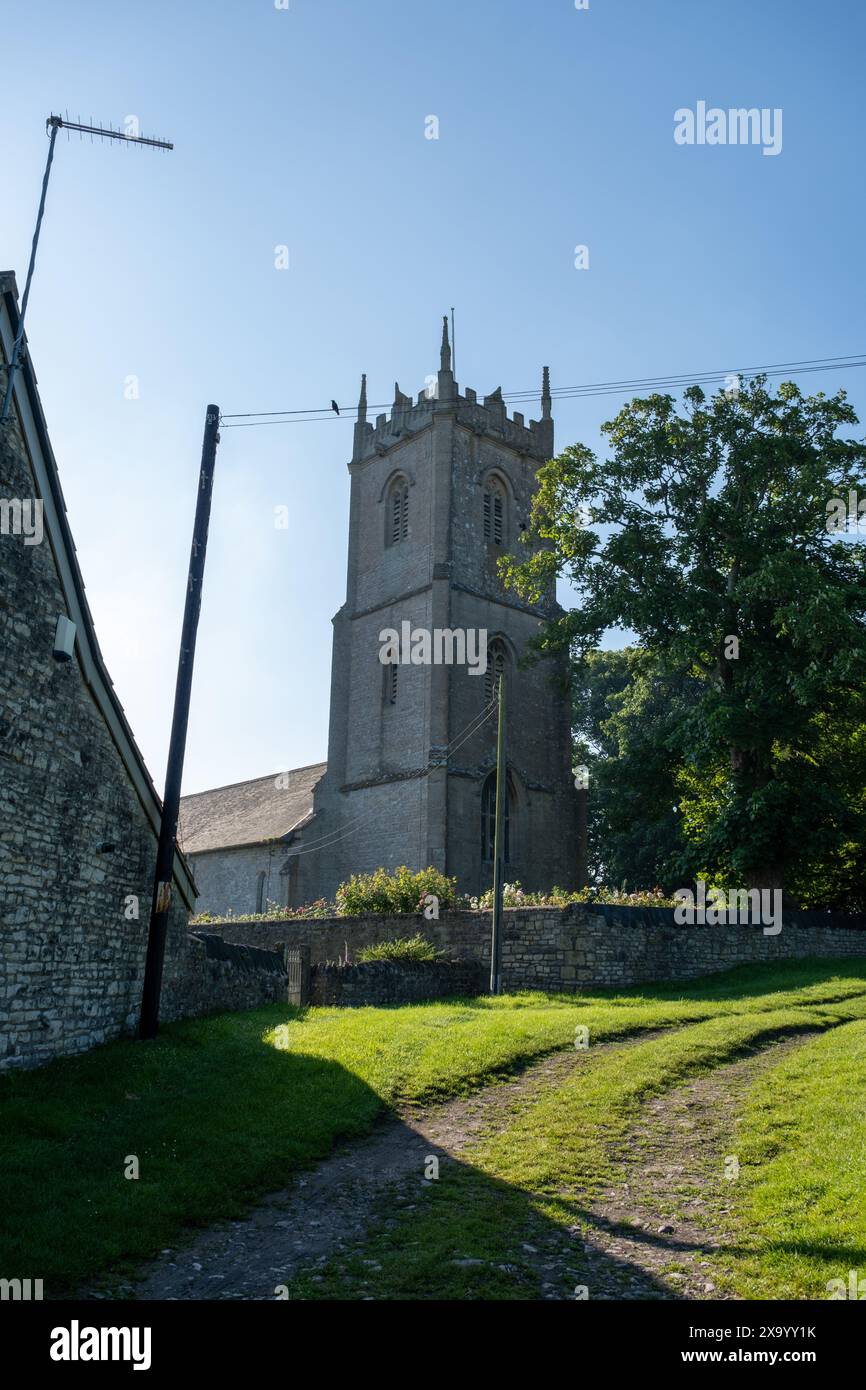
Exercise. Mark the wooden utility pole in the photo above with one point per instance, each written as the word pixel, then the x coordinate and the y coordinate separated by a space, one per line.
pixel 498 846
pixel 161 904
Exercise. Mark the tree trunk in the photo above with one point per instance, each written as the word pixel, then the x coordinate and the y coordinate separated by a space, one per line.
pixel 754 773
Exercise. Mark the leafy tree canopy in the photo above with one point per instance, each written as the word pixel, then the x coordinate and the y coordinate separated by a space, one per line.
pixel 716 552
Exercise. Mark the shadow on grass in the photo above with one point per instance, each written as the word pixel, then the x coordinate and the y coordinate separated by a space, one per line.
pixel 213 1119
pixel 465 1236
pixel 470 1236
pixel 208 1116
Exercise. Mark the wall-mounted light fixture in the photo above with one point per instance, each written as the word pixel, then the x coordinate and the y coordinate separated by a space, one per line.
pixel 64 638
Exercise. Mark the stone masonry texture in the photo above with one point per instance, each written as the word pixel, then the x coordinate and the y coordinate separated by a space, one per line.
pixel 393 982
pixel 574 948
pixel 219 977
pixel 77 849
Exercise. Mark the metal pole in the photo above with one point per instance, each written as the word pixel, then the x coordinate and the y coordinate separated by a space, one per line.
pixel 498 847
pixel 149 1022
pixel 582 836
pixel 19 336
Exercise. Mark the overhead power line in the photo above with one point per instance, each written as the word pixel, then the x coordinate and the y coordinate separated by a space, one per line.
pixel 342 831
pixel 312 414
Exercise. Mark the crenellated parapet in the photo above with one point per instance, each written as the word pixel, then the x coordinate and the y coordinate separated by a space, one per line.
pixel 488 416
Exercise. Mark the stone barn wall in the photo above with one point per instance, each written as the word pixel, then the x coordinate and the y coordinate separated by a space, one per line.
pixel 77 846
pixel 79 814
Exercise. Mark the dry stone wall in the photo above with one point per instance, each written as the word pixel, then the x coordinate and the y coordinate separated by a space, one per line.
pixel 574 948
pixel 393 982
pixel 217 976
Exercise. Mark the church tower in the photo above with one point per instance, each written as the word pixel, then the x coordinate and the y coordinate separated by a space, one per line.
pixel 440 489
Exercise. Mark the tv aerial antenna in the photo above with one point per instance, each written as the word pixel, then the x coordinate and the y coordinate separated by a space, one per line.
pixel 52 126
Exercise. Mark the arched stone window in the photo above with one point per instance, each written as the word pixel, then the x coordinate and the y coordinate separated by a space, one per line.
pixel 397 512
pixel 260 890
pixel 495 511
pixel 497 665
pixel 488 818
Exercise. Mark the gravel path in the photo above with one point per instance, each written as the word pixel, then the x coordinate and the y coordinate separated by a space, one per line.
pixel 653 1234
pixel 329 1209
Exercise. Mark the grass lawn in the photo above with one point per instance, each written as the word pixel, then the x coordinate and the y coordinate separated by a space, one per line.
pixel 220 1110
pixel 802 1214
pixel 543 1169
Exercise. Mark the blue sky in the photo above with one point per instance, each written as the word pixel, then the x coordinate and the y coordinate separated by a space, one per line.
pixel 305 128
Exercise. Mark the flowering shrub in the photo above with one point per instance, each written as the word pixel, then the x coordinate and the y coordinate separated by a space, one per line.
pixel 641 897
pixel 514 896
pixel 272 913
pixel 401 891
pixel 404 891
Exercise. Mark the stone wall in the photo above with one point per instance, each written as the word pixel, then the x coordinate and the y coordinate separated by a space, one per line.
pixel 217 976
pixel 603 947
pixel 393 982
pixel 574 948
pixel 461 935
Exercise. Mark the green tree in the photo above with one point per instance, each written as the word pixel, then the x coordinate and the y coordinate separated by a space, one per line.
pixel 628 715
pixel 717 555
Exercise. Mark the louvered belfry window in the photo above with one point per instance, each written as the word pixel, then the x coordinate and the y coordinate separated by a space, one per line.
pixel 494 512
pixel 398 512
pixel 497 519
pixel 389 683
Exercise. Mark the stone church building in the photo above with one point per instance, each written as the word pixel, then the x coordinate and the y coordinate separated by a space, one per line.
pixel 440 489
